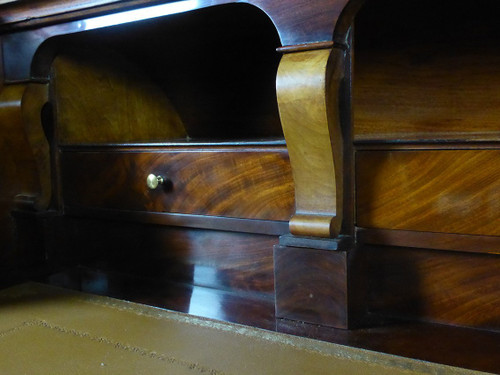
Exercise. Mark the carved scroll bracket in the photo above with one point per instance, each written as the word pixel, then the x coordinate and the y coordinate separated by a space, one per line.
pixel 308 87
pixel 22 109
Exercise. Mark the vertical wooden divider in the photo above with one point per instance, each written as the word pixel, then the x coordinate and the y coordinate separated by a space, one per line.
pixel 308 90
pixel 311 266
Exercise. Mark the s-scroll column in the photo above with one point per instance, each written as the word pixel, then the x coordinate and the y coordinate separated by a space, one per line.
pixel 311 265
pixel 309 85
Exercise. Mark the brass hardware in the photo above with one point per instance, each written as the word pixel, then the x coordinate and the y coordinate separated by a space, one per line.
pixel 153 181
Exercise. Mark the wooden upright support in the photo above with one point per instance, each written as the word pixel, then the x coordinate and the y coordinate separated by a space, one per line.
pixel 311 266
pixel 308 92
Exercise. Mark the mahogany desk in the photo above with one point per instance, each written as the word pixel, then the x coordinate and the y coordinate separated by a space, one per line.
pixel 333 162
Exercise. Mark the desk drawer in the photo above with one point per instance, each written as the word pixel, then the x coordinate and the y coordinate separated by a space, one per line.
pixel 444 191
pixel 254 184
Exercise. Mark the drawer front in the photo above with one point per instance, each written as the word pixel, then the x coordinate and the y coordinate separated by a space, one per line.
pixel 450 191
pixel 242 184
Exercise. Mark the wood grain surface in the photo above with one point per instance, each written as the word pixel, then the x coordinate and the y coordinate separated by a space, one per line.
pixel 35 97
pixel 19 173
pixel 298 21
pixel 444 287
pixel 451 96
pixel 311 285
pixel 102 98
pixel 213 259
pixel 430 240
pixel 437 79
pixel 307 86
pixel 253 184
pixel 448 191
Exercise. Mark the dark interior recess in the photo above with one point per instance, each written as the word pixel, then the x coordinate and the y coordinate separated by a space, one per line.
pixel 427 70
pixel 216 65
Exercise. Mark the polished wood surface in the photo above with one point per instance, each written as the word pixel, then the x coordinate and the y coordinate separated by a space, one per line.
pixel 223 260
pixel 432 80
pixel 307 86
pixel 19 170
pixel 427 285
pixel 311 285
pixel 225 223
pixel 128 107
pixel 308 22
pixel 430 240
pixel 35 98
pixel 240 182
pixel 450 191
pixel 18 11
pixel 394 99
pixel 455 346
pixel 426 139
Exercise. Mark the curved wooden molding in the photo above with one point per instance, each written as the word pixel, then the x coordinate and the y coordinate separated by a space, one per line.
pixel 35 96
pixel 22 104
pixel 298 22
pixel 308 88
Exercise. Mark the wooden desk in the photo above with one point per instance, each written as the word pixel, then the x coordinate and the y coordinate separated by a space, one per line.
pixel 373 150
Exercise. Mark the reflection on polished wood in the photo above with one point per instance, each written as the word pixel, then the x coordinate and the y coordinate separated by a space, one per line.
pixel 466 348
pixel 446 287
pixel 305 24
pixel 206 241
pixel 312 286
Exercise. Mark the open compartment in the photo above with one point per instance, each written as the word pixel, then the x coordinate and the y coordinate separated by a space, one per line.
pixel 427 70
pixel 201 75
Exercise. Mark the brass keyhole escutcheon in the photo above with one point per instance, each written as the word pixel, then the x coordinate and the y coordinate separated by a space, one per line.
pixel 153 181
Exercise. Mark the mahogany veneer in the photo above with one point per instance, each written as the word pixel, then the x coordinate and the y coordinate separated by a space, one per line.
pixel 94 108
pixel 238 182
pixel 450 191
pixel 311 285
pixel 421 75
pixel 428 285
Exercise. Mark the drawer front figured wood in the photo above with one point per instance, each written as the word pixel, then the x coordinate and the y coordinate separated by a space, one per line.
pixel 448 191
pixel 243 184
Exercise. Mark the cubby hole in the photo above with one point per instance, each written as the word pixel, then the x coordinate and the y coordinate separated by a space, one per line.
pixel 427 70
pixel 213 70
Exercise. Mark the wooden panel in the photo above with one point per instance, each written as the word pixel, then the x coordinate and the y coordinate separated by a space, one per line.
pixel 394 98
pixel 18 167
pixel 253 185
pixel 311 285
pixel 298 21
pixel 446 287
pixel 231 224
pixel 430 240
pixel 100 97
pixel 426 80
pixel 451 191
pixel 19 11
pixel 212 259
